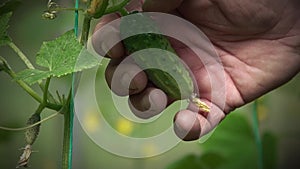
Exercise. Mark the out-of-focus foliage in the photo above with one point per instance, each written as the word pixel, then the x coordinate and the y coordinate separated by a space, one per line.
pixel 232 146
pixel 234 140
pixel 270 151
pixel 206 161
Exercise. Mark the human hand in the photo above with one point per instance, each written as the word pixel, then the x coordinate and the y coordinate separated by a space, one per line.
pixel 258 44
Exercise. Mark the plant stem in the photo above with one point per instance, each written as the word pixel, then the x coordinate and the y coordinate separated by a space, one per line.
pixel 29 65
pixel 67 140
pixel 117 7
pixel 32 93
pixel 67 9
pixel 49 95
pixel 30 126
pixel 68 115
pixel 85 30
pixel 40 108
pixel 21 55
pixel 123 12
pixel 28 89
pixel 45 97
pixel 54 106
pixel 68 110
pixel 68 107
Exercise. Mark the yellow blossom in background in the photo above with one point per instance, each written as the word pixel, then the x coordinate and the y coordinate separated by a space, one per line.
pixel 149 150
pixel 124 126
pixel 262 109
pixel 91 121
pixel 262 112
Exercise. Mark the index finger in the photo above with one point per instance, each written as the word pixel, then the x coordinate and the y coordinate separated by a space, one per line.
pixel 106 39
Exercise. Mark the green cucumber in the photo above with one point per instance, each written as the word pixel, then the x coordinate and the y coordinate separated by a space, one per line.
pixel 32 133
pixel 164 69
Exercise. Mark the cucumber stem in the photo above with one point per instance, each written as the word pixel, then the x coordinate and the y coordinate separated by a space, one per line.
pixel 123 12
pixel 200 104
pixel 67 151
pixel 85 30
pixel 117 7
pixel 45 97
pixel 67 9
pixel 66 162
pixel 68 134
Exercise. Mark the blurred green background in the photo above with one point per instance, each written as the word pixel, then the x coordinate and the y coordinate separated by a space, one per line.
pixel 232 145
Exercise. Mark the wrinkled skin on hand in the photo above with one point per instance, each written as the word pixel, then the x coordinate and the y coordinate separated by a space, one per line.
pixel 258 43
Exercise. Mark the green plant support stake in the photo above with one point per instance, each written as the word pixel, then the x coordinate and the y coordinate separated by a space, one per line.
pixel 72 92
pixel 257 135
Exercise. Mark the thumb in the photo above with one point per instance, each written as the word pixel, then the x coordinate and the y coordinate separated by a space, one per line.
pixel 160 6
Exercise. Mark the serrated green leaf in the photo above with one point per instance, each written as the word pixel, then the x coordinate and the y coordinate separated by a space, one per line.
pixel 61 56
pixel 31 76
pixel 9 6
pixel 59 53
pixel 65 55
pixel 4 19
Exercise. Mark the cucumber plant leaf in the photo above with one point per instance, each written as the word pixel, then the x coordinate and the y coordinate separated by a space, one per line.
pixel 61 56
pixel 4 19
pixel 234 140
pixel 212 160
pixel 33 75
pixel 232 145
pixel 207 160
